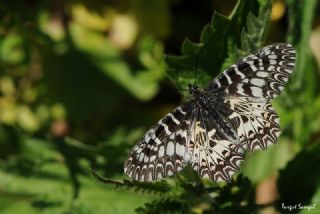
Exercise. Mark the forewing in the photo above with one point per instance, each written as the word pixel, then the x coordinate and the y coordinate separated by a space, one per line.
pixel 214 150
pixel 163 150
pixel 259 75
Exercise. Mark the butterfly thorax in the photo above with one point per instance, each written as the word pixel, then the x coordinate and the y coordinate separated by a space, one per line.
pixel 199 97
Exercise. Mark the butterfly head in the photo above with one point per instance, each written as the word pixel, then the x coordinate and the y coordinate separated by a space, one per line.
pixel 193 89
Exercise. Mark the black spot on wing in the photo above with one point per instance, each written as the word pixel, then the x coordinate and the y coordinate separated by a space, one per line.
pixel 159 130
pixel 178 115
pixel 234 76
pixel 169 122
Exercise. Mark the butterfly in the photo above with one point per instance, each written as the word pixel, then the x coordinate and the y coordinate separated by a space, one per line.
pixel 214 128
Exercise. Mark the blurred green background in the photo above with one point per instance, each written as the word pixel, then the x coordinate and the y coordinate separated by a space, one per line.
pixel 81 81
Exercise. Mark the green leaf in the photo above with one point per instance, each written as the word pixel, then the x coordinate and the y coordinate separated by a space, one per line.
pixel 261 164
pixel 181 69
pixel 47 187
pixel 253 35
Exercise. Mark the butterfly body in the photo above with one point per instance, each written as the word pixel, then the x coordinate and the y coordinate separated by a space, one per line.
pixel 213 129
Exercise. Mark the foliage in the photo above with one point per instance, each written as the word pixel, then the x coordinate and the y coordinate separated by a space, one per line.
pixel 210 56
pixel 81 81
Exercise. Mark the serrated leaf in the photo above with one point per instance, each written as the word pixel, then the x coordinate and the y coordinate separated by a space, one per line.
pixel 189 48
pixel 253 34
pixel 181 69
pixel 219 43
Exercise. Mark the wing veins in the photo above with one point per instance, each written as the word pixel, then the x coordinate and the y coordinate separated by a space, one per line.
pixel 208 143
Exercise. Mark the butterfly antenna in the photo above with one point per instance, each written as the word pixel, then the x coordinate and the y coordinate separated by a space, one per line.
pixel 195 73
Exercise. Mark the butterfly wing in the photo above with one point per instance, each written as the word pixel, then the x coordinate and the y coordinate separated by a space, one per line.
pixel 247 87
pixel 163 149
pixel 259 75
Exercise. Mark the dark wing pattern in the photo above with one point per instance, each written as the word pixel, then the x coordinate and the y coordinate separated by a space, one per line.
pixel 163 150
